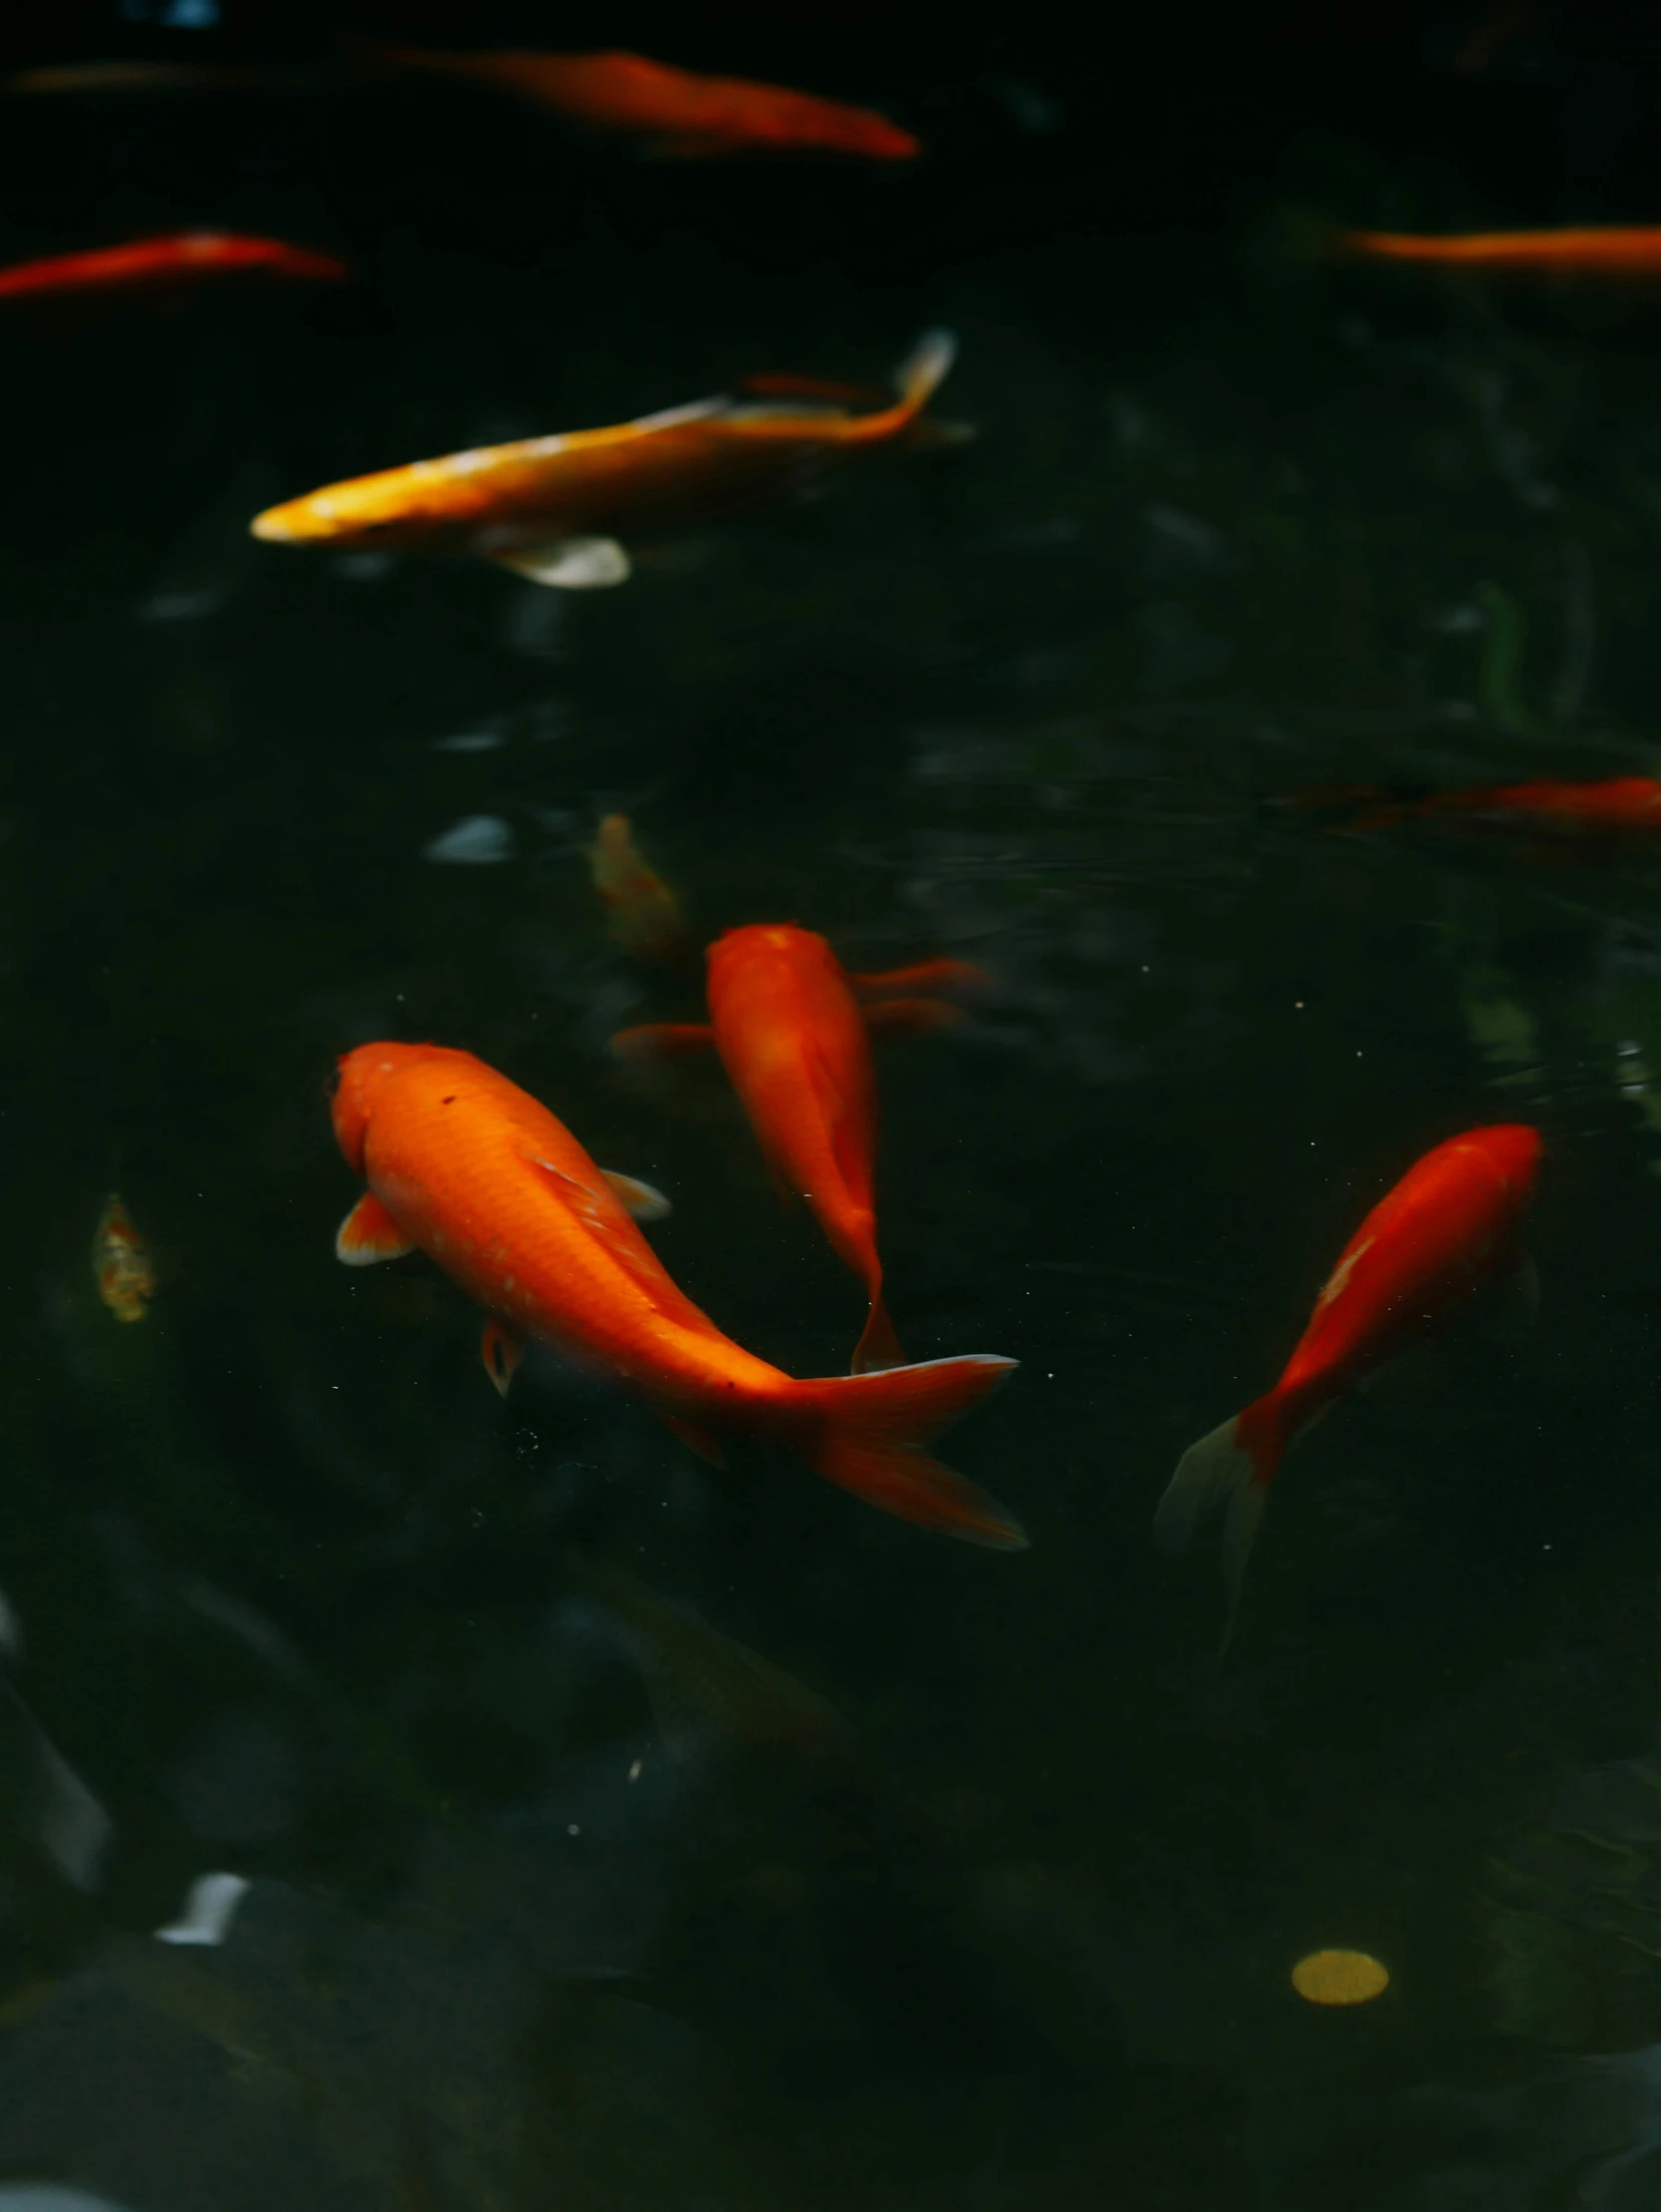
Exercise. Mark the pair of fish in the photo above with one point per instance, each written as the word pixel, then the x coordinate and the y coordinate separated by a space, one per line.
pixel 173 262
pixel 469 1168
pixel 556 510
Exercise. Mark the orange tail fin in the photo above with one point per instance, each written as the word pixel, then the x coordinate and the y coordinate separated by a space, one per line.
pixel 867 1433
pixel 1235 1465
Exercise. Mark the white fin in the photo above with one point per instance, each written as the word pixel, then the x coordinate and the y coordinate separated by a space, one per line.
pixel 210 1907
pixel 925 367
pixel 1216 1469
pixel 640 1198
pixel 570 564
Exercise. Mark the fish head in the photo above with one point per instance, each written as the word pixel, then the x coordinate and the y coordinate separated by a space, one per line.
pixel 383 510
pixel 360 1079
pixel 754 941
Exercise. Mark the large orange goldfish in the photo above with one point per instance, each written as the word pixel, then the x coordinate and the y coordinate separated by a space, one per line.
pixel 155 263
pixel 463 1164
pixel 1605 251
pixel 555 509
pixel 792 1033
pixel 1453 1222
pixel 675 113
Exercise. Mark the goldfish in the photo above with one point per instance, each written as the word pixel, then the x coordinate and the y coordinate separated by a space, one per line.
pixel 471 1170
pixel 1589 251
pixel 121 1263
pixel 792 1027
pixel 554 508
pixel 151 263
pixel 645 913
pixel 1453 1222
pixel 676 114
pixel 1607 812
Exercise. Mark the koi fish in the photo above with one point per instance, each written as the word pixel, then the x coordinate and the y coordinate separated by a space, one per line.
pixel 1453 1222
pixel 792 1027
pixel 676 114
pixel 1591 251
pixel 466 1166
pixel 151 263
pixel 1610 811
pixel 645 913
pixel 121 1263
pixel 547 507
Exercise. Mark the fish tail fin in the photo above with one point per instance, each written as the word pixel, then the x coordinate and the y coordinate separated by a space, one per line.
pixel 878 1348
pixel 917 380
pixel 867 1433
pixel 925 369
pixel 1233 1467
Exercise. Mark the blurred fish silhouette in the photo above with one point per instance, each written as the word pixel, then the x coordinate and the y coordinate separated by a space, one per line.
pixel 463 1164
pixel 643 912
pixel 555 509
pixel 1453 1222
pixel 1596 817
pixel 1606 251
pixel 672 113
pixel 179 259
pixel 121 1263
pixel 792 1029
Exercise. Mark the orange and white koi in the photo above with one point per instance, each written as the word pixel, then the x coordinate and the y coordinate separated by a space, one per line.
pixel 473 1172
pixel 675 113
pixel 159 264
pixel 555 508
pixel 792 1029
pixel 1586 252
pixel 645 913
pixel 121 1263
pixel 1453 1222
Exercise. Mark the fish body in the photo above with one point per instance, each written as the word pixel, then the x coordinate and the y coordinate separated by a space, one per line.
pixel 1608 251
pixel 156 264
pixel 467 1167
pixel 555 509
pixel 121 1263
pixel 1451 1223
pixel 675 113
pixel 645 913
pixel 1617 808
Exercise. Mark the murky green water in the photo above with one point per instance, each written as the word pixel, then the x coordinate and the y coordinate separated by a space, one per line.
pixel 984 1891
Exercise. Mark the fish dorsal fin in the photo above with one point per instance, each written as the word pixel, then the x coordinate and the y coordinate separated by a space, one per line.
pixel 850 1144
pixel 671 419
pixel 598 1207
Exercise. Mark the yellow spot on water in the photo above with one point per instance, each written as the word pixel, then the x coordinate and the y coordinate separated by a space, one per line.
pixel 1339 1978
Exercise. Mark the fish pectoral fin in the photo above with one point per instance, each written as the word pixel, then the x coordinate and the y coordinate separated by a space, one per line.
pixel 501 1351
pixel 570 564
pixel 663 1041
pixel 640 1198
pixel 369 1233
pixel 695 1439
pixel 910 1017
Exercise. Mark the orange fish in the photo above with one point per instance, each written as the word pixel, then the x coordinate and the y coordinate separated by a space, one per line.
pixel 555 509
pixel 471 1170
pixel 153 263
pixel 121 1263
pixel 1453 1222
pixel 645 913
pixel 1608 812
pixel 676 114
pixel 792 1029
pixel 1610 251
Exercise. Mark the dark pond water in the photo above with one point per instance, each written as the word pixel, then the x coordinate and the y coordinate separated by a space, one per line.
pixel 984 1890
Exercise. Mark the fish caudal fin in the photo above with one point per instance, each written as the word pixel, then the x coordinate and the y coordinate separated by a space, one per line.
pixel 878 1348
pixel 925 369
pixel 1231 1467
pixel 867 1433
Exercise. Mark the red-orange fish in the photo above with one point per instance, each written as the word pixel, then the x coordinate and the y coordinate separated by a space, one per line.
pixel 121 1263
pixel 1585 251
pixel 158 264
pixel 792 1029
pixel 1453 1222
pixel 1607 812
pixel 555 508
pixel 675 113
pixel 463 1164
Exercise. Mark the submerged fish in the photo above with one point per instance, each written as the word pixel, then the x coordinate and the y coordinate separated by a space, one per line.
pixel 645 913
pixel 121 1263
pixel 1604 813
pixel 472 1170
pixel 789 1024
pixel 156 264
pixel 555 509
pixel 1453 1222
pixel 1586 252
pixel 676 113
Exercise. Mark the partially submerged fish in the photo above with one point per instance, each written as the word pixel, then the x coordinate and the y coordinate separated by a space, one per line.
pixel 477 1174
pixel 556 509
pixel 1453 1222
pixel 1585 251
pixel 675 113
pixel 645 913
pixel 121 1263
pixel 159 264
pixel 792 1027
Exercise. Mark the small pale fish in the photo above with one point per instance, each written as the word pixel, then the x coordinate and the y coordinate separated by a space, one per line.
pixel 121 1263
pixel 643 913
